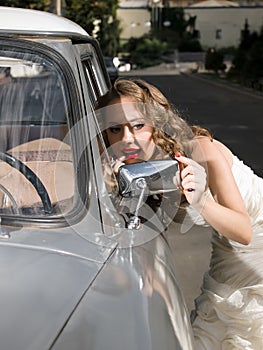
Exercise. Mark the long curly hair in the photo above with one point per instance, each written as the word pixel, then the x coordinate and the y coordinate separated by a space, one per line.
pixel 170 131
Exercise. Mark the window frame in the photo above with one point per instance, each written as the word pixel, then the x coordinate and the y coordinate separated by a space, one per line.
pixel 75 111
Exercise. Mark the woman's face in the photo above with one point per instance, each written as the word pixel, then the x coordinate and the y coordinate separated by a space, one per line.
pixel 128 132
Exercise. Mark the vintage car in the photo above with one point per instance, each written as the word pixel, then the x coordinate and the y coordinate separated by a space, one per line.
pixel 76 271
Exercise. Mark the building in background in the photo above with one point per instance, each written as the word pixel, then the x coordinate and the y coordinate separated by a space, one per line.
pixel 219 22
pixel 135 18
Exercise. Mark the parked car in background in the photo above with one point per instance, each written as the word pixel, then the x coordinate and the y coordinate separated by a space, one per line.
pixel 125 63
pixel 111 68
pixel 75 274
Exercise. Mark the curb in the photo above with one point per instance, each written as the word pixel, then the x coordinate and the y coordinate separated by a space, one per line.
pixel 226 84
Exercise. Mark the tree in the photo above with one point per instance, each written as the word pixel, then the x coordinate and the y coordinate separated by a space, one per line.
pixel 247 62
pixel 85 12
pixel 176 28
pixel 42 5
pixel 145 51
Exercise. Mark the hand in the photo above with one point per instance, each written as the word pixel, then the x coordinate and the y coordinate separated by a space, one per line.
pixel 192 180
pixel 115 164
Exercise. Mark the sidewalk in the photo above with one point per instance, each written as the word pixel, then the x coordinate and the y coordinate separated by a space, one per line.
pixel 189 68
pixel 162 69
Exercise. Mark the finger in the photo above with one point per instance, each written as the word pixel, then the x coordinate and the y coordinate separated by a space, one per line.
pixel 188 161
pixel 182 159
pixel 177 179
pixel 185 165
pixel 115 161
pixel 118 163
pixel 189 188
pixel 187 171
pixel 189 184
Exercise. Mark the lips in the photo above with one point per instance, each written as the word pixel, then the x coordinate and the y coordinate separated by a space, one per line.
pixel 131 153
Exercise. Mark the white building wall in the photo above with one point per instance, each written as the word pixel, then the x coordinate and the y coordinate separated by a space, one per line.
pixel 134 22
pixel 229 20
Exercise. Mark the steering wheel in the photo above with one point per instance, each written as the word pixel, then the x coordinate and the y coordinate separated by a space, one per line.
pixel 30 176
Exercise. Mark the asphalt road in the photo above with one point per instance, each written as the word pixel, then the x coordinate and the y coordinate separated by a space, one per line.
pixel 235 116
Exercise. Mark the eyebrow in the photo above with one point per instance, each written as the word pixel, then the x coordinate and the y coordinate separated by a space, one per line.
pixel 113 124
pixel 137 120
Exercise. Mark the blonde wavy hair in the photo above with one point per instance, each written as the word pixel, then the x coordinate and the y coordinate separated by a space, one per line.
pixel 171 132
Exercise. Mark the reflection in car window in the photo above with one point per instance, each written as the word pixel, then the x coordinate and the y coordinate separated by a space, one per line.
pixel 96 87
pixel 110 179
pixel 96 83
pixel 35 149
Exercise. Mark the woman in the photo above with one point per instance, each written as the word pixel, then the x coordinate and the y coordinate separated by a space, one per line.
pixel 139 125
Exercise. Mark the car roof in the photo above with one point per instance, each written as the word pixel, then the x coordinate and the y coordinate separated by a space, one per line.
pixel 18 20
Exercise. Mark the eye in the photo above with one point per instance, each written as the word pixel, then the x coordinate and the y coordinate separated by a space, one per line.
pixel 138 126
pixel 115 129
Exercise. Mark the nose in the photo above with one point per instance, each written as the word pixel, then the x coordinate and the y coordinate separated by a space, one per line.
pixel 127 134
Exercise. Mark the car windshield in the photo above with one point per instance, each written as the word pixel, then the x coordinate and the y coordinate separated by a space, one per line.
pixel 35 149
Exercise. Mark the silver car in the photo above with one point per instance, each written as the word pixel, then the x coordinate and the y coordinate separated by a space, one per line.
pixel 77 271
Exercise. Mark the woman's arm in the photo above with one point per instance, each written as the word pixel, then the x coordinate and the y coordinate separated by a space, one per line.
pixel 227 214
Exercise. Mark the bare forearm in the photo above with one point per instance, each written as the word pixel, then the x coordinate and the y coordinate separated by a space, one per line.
pixel 230 223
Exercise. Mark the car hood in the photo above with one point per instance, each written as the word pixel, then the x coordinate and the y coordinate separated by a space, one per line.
pixel 40 288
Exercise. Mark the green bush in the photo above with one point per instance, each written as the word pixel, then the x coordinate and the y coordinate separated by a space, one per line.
pixel 145 52
pixel 190 45
pixel 247 65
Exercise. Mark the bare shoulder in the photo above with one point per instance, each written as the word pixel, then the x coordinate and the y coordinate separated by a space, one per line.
pixel 211 150
pixel 217 159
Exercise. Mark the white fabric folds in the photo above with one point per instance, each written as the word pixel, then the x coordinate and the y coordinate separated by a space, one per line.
pixel 229 311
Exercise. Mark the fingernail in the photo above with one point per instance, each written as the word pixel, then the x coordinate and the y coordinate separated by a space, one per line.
pixel 121 159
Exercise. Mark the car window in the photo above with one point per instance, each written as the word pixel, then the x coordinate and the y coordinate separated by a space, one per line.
pixel 108 193
pixel 35 147
pixel 96 87
pixel 96 84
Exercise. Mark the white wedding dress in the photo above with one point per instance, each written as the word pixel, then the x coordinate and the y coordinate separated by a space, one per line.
pixel 229 312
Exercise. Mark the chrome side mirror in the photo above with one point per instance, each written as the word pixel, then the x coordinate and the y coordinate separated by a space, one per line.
pixel 156 176
pixel 146 178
